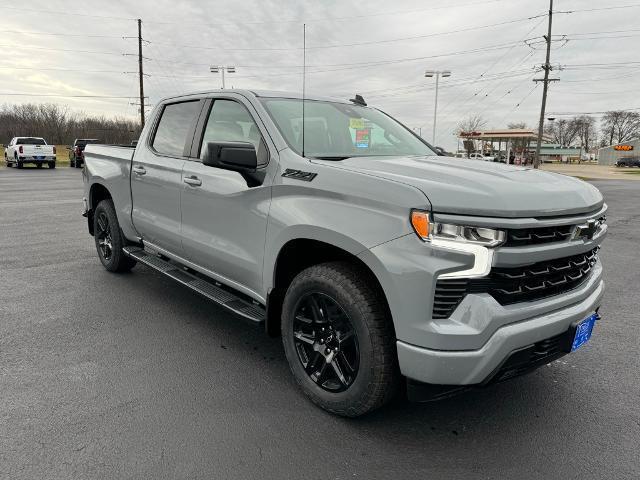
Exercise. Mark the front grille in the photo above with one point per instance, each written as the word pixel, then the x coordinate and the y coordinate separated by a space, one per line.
pixel 537 236
pixel 515 285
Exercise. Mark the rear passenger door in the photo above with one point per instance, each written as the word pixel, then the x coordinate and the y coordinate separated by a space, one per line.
pixel 156 175
pixel 224 219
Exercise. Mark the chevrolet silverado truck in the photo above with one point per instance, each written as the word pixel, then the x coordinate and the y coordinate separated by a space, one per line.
pixel 336 228
pixel 35 150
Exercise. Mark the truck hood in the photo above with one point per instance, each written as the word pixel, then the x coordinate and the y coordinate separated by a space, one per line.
pixel 474 187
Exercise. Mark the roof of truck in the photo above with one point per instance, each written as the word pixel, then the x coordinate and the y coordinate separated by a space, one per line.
pixel 264 94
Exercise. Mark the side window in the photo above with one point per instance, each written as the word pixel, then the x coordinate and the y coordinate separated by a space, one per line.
pixel 230 121
pixel 174 126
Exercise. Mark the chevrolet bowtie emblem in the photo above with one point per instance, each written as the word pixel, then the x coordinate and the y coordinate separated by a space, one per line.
pixel 586 231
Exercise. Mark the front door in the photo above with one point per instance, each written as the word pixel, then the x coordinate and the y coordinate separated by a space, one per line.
pixel 156 176
pixel 224 220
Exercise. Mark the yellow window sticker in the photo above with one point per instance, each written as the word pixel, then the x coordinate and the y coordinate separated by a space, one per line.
pixel 356 123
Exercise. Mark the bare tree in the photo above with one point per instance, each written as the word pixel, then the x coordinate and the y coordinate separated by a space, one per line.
pixel 563 132
pixel 58 125
pixel 586 131
pixel 472 123
pixel 517 126
pixel 620 126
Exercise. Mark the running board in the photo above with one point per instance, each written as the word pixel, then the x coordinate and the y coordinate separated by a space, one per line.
pixel 244 308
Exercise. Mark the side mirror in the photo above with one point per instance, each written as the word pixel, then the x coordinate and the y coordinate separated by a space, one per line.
pixel 236 156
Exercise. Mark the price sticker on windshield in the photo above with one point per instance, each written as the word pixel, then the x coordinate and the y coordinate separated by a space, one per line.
pixel 362 138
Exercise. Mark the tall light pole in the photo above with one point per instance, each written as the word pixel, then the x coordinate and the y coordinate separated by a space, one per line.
pixel 437 74
pixel 221 69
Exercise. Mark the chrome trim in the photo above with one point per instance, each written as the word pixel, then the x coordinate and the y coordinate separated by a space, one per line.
pixel 483 258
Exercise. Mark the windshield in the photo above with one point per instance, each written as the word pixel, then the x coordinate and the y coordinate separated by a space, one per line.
pixel 30 141
pixel 337 130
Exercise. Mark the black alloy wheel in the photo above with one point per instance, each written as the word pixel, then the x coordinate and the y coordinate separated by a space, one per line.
pixel 103 236
pixel 326 342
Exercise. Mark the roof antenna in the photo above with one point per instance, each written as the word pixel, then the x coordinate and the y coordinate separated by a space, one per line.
pixel 304 74
pixel 358 100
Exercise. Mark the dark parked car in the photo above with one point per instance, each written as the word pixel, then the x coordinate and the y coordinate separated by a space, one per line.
pixel 76 152
pixel 628 162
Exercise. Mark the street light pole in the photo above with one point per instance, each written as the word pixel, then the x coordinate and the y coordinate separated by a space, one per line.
pixel 221 69
pixel 437 74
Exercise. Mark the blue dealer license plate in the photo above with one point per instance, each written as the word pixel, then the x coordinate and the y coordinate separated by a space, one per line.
pixel 584 329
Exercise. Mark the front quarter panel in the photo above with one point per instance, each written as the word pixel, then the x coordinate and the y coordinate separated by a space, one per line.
pixel 351 211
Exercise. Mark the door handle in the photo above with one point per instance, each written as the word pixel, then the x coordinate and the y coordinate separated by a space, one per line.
pixel 139 170
pixel 193 181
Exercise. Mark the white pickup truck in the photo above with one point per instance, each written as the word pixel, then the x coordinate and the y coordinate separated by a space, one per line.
pixel 34 150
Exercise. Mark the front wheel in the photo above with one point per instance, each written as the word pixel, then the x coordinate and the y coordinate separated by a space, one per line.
pixel 339 340
pixel 39 165
pixel 52 164
pixel 109 240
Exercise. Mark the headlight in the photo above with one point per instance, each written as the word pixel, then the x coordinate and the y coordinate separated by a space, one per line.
pixel 478 241
pixel 429 231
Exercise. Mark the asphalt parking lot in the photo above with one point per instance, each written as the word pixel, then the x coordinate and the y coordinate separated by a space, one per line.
pixel 134 376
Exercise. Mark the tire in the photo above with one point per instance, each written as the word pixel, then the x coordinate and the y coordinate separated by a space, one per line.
pixel 52 164
pixel 39 165
pixel 360 334
pixel 72 164
pixel 19 164
pixel 108 239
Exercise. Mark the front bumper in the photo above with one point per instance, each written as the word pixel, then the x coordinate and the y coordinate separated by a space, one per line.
pixel 472 367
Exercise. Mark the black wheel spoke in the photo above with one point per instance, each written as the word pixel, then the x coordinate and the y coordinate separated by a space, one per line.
pixel 338 370
pixel 102 224
pixel 349 370
pixel 314 363
pixel 303 319
pixel 305 338
pixel 343 337
pixel 316 309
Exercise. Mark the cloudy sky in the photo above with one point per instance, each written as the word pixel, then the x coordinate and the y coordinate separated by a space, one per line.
pixel 377 48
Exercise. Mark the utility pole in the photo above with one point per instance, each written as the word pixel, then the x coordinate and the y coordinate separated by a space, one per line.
pixel 545 88
pixel 141 73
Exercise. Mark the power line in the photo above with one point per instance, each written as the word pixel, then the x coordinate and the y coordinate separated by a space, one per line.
pixel 356 44
pixel 58 12
pixel 327 19
pixel 34 47
pixel 595 113
pixel 14 94
pixel 55 34
pixel 356 65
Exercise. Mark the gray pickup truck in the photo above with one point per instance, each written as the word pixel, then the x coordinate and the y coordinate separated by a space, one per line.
pixel 335 227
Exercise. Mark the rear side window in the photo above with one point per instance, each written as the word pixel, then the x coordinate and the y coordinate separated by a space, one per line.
pixel 174 126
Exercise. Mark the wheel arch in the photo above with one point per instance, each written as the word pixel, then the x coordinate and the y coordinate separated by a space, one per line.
pixel 299 253
pixel 97 193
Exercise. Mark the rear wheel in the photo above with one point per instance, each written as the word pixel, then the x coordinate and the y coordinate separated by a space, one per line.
pixel 52 164
pixel 19 164
pixel 339 340
pixel 109 240
pixel 72 163
pixel 39 165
